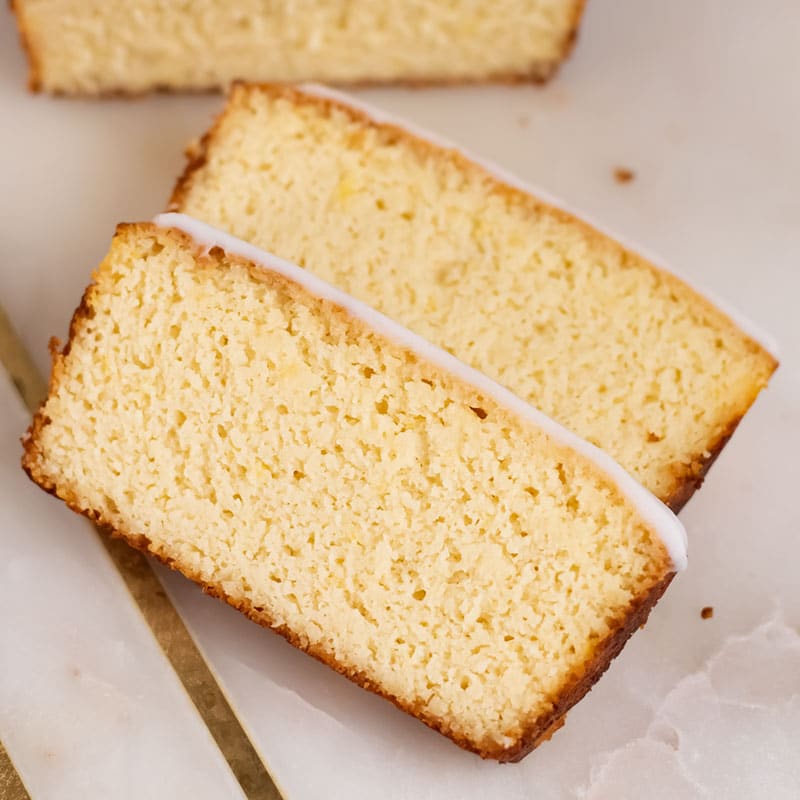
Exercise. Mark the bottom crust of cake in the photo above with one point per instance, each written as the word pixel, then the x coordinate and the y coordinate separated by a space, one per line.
pixel 690 478
pixel 538 74
pixel 34 68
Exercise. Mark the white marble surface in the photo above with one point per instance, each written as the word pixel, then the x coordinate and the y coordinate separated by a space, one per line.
pixel 701 98
pixel 89 705
pixel 727 730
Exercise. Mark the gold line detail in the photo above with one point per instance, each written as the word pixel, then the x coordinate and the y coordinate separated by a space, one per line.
pixel 11 785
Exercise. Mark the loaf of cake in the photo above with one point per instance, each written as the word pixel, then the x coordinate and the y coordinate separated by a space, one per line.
pixel 94 46
pixel 335 477
pixel 596 336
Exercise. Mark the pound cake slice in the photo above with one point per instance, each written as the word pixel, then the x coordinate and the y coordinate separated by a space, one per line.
pixel 614 348
pixel 92 46
pixel 340 480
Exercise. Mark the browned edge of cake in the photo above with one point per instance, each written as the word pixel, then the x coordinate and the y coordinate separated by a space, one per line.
pixel 539 72
pixel 687 478
pixel 573 689
pixel 34 71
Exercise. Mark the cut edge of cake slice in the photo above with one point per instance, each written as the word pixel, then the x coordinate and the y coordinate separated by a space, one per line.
pixel 673 480
pixel 53 68
pixel 73 451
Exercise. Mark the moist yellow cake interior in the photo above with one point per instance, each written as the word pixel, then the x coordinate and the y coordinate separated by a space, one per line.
pixel 623 354
pixel 139 45
pixel 392 517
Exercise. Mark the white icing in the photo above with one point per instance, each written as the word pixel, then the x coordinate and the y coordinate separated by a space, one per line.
pixel 766 340
pixel 652 510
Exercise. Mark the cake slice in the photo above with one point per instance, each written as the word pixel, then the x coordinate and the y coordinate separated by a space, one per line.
pixel 613 347
pixel 92 46
pixel 340 480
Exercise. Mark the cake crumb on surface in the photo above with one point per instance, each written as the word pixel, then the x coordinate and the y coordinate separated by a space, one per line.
pixel 707 612
pixel 623 175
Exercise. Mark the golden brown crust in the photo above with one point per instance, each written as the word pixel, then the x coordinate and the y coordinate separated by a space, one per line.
pixel 539 730
pixel 571 39
pixel 538 74
pixel 34 68
pixel 690 477
pixel 686 478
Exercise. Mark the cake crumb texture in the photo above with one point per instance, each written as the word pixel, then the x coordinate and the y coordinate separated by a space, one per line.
pixel 623 174
pixel 99 46
pixel 624 354
pixel 376 510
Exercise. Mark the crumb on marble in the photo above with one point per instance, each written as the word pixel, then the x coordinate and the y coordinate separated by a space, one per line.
pixel 707 612
pixel 623 175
